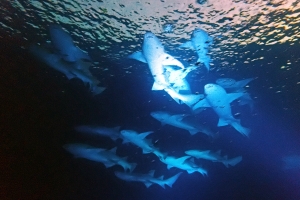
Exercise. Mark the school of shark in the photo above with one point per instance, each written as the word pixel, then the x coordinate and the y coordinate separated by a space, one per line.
pixel 169 75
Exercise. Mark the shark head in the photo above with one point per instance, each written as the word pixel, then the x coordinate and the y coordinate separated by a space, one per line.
pixel 128 133
pixel 212 88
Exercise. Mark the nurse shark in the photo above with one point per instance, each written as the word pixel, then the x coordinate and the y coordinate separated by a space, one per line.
pixel 200 42
pixel 140 140
pixel 154 54
pixel 214 156
pixel 148 179
pixel 184 163
pixel 179 122
pixel 70 70
pixel 113 133
pixel 107 157
pixel 217 98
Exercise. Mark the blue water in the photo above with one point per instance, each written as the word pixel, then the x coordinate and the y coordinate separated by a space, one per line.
pixel 40 108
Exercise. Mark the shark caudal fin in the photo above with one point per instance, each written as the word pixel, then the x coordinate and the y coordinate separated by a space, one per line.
pixel 233 161
pixel 172 180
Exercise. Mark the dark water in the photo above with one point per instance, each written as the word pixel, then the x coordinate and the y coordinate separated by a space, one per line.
pixel 40 107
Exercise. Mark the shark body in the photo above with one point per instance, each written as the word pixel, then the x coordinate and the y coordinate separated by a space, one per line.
pixel 107 157
pixel 65 46
pixel 113 133
pixel 219 101
pixel 200 42
pixel 140 140
pixel 183 163
pixel 177 121
pixel 148 179
pixel 70 70
pixel 214 156
pixel 154 55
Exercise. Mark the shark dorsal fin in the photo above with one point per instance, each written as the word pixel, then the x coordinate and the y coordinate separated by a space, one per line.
pixel 161 177
pixel 182 159
pixel 192 160
pixel 145 134
pixel 113 150
pixel 233 96
pixel 151 172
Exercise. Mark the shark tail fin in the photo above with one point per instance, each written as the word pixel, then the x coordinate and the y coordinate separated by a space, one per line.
pixel 233 161
pixel 237 125
pixel 172 180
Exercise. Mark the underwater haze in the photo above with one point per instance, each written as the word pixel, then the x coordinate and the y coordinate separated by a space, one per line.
pixel 154 100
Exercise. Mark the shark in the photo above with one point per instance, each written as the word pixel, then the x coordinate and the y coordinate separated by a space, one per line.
pixel 178 121
pixel 107 157
pixel 64 45
pixel 231 85
pixel 140 140
pixel 200 42
pixel 148 179
pixel 214 156
pixel 176 77
pixel 184 163
pixel 70 70
pixel 219 100
pixel 113 133
pixel 154 55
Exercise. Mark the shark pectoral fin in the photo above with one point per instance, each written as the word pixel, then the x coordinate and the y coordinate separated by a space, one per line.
pixel 190 171
pixel 138 56
pixel 188 44
pixel 145 151
pixel 70 75
pixel 151 173
pixel 147 184
pixel 80 54
pixel 182 159
pixel 222 122
pixel 107 165
pixel 243 83
pixel 169 166
pixel 170 181
pixel 145 134
pixel 157 86
pixel 193 132
pixel 202 103
pixel 170 60
pixel 132 166
pixel 113 150
pixel 233 96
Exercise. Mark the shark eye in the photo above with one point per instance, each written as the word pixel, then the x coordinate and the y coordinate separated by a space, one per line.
pixel 167 57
